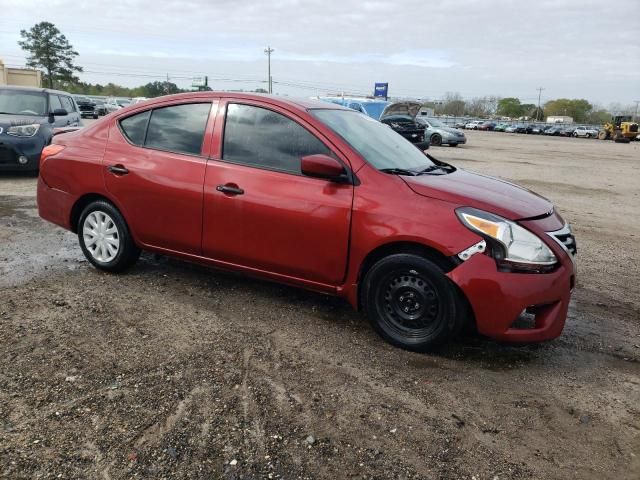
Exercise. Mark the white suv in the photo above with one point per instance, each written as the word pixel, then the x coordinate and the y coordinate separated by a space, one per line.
pixel 586 132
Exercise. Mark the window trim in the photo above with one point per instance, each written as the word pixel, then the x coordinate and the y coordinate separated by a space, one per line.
pixel 351 177
pixel 146 129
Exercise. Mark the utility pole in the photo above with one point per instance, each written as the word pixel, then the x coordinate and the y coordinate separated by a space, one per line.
pixel 269 51
pixel 539 95
pixel 635 115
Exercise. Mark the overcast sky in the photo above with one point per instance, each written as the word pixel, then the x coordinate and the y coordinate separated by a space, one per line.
pixel 576 49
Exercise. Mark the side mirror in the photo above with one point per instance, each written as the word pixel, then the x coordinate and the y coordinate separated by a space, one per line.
pixel 60 112
pixel 323 166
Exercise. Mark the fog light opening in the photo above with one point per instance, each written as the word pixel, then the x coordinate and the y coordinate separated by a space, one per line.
pixel 22 160
pixel 526 320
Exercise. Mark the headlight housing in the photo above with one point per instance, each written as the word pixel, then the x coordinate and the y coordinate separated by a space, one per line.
pixel 512 246
pixel 23 130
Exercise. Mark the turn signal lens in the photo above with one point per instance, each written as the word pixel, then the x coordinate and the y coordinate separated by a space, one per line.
pixel 50 150
pixel 485 226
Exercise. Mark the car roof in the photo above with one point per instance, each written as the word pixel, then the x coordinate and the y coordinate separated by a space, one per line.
pixel 33 89
pixel 290 102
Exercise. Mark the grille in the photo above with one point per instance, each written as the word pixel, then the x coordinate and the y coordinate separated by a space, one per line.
pixel 7 155
pixel 565 237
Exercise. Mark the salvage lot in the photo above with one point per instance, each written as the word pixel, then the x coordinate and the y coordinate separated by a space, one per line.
pixel 178 371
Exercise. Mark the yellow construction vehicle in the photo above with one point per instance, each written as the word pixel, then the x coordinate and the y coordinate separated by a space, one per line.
pixel 620 129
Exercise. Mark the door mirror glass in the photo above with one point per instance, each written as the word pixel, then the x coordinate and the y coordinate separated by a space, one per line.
pixel 322 166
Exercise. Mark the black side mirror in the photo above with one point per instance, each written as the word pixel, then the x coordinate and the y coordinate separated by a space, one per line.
pixel 60 112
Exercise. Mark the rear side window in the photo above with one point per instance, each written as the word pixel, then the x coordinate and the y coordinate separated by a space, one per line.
pixel 179 128
pixel 263 138
pixel 135 127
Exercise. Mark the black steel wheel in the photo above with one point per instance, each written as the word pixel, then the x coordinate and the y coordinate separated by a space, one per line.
pixel 411 303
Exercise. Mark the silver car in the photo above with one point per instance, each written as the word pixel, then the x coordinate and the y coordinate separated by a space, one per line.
pixel 441 134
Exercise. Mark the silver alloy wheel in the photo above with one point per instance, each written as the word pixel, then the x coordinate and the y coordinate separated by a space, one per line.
pixel 101 236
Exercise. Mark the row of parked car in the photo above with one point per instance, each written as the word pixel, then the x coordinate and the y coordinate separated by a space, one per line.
pixel 532 128
pixel 94 107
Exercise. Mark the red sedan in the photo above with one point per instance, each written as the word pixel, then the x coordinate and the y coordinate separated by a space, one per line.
pixel 319 196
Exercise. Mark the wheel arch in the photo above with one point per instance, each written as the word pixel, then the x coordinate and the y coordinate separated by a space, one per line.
pixel 85 200
pixel 391 248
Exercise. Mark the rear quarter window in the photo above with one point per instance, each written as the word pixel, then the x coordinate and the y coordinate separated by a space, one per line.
pixel 135 127
pixel 178 128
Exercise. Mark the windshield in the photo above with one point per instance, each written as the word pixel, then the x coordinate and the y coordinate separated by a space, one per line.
pixel 435 123
pixel 16 102
pixel 377 143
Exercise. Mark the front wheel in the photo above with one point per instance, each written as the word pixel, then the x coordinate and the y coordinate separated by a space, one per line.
pixel 411 303
pixel 105 238
pixel 436 140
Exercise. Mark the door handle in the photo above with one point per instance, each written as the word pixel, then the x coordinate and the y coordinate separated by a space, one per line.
pixel 230 189
pixel 117 169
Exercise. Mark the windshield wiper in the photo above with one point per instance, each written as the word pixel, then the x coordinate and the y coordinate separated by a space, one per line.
pixel 398 171
pixel 432 168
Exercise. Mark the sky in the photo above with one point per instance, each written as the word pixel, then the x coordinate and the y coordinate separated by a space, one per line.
pixel 423 48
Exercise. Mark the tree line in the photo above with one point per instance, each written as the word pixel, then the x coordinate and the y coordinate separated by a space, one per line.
pixel 50 51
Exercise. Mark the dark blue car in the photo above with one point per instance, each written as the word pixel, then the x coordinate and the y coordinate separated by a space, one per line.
pixel 27 119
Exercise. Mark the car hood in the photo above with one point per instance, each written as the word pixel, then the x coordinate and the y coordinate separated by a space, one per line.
pixel 8 120
pixel 483 192
pixel 401 108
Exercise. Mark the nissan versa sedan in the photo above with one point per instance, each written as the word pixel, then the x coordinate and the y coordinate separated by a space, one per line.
pixel 319 196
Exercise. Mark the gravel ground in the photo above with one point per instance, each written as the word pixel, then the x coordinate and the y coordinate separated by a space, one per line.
pixel 177 371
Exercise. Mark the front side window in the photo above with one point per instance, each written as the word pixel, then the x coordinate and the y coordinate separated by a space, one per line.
pixel 67 104
pixel 262 138
pixel 135 127
pixel 54 103
pixel 179 128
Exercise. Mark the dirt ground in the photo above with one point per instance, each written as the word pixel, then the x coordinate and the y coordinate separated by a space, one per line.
pixel 178 371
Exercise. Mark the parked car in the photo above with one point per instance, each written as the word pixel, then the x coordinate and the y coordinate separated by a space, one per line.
pixel 510 128
pixel 537 129
pixel 100 106
pixel 487 126
pixel 113 104
pixel 586 132
pixel 440 134
pixel 459 124
pixel 521 128
pixel 87 106
pixel 368 106
pixel 473 125
pixel 553 130
pixel 138 100
pixel 567 131
pixel 401 117
pixel 501 127
pixel 28 117
pixel 318 196
pixel 406 126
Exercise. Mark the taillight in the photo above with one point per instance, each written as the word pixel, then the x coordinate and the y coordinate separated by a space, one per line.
pixel 50 150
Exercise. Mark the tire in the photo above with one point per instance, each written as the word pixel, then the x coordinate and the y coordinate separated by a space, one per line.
pixel 436 140
pixel 588 135
pixel 453 144
pixel 101 225
pixel 575 134
pixel 411 303
pixel 95 116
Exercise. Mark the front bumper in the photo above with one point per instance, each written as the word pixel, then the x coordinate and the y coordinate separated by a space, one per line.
pixel 12 148
pixel 499 299
pixel 454 140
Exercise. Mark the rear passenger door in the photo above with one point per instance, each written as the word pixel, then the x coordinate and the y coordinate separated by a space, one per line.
pixel 154 168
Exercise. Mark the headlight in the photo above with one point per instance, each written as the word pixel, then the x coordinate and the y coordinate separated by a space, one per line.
pixel 513 246
pixel 23 130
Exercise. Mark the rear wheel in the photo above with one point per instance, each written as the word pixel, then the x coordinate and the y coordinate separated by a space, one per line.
pixel 411 303
pixel 436 140
pixel 105 238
